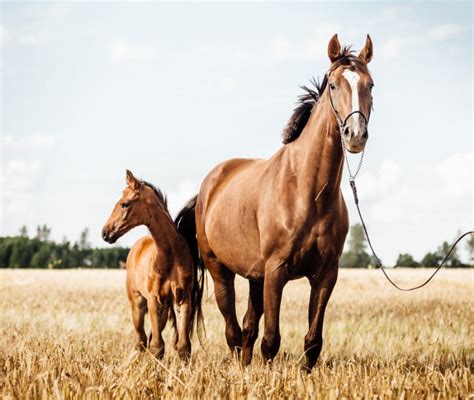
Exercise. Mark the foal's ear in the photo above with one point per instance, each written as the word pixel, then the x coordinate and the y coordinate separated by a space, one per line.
pixel 367 52
pixel 132 182
pixel 334 48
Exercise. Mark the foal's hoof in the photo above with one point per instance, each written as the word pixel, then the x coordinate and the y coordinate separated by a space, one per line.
pixel 158 352
pixel 140 347
pixel 184 354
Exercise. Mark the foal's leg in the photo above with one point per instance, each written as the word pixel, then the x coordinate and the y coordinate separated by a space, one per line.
pixel 139 308
pixel 320 292
pixel 276 277
pixel 158 317
pixel 225 297
pixel 184 343
pixel 251 320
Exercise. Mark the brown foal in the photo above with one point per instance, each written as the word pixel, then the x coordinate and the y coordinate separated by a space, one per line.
pixel 161 272
pixel 274 220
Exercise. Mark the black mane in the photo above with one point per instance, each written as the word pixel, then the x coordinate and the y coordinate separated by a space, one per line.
pixel 161 196
pixel 309 100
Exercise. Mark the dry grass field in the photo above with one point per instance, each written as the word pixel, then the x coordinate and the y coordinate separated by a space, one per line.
pixel 68 334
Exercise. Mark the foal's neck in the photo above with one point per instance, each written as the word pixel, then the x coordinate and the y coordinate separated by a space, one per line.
pixel 317 155
pixel 163 230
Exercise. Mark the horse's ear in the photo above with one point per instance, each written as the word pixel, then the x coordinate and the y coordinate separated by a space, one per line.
pixel 334 48
pixel 132 182
pixel 367 52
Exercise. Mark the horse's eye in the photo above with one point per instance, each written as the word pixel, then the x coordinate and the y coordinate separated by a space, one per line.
pixel 125 204
pixel 332 86
pixel 371 86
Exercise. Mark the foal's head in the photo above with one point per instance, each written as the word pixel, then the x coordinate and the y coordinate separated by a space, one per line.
pixel 350 92
pixel 139 200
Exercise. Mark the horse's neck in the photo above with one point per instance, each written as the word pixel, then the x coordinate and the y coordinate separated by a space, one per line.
pixel 317 155
pixel 163 231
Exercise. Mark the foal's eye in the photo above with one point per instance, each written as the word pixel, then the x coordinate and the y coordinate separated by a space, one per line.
pixel 332 86
pixel 125 204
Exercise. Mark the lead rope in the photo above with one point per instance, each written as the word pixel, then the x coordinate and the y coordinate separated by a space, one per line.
pixel 356 200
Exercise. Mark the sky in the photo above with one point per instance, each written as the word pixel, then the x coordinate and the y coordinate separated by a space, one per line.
pixel 169 90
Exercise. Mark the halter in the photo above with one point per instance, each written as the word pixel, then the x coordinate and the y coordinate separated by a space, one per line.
pixel 342 125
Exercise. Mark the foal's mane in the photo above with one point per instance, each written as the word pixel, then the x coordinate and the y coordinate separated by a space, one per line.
pixel 309 100
pixel 159 194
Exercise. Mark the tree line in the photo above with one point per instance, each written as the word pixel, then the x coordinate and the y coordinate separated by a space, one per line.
pixel 22 251
pixel 357 257
pixel 39 251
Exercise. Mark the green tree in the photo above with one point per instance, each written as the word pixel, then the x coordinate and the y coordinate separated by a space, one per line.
pixel 43 232
pixel 356 256
pixel 470 248
pixel 453 261
pixel 406 260
pixel 43 257
pixel 23 232
pixel 357 241
pixel 431 260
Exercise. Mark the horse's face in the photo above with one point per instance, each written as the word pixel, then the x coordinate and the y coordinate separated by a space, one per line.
pixel 350 90
pixel 130 211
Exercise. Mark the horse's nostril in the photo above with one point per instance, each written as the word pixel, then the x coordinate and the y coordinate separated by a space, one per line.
pixel 365 135
pixel 104 234
pixel 347 131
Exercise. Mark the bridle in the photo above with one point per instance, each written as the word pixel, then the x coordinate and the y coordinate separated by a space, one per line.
pixel 342 125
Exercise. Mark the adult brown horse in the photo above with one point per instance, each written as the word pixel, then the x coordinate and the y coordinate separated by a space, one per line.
pixel 274 220
pixel 161 270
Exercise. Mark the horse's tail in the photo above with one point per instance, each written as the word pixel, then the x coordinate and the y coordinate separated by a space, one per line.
pixel 186 224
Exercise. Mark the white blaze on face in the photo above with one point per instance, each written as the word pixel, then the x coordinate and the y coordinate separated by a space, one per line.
pixel 352 78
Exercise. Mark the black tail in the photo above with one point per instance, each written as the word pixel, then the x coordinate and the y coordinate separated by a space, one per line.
pixel 186 224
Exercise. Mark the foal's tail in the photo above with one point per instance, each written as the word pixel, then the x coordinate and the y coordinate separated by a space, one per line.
pixel 186 224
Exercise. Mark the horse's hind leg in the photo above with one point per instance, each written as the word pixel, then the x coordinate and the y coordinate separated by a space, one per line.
pixel 320 293
pixel 225 297
pixel 139 308
pixel 251 320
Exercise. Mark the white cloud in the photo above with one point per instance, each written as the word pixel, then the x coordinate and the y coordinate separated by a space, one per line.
pixel 228 85
pixel 28 40
pixel 456 173
pixel 19 175
pixel 179 197
pixel 316 47
pixel 3 36
pixel 123 51
pixel 443 31
pixel 280 47
pixel 393 47
pixel 13 143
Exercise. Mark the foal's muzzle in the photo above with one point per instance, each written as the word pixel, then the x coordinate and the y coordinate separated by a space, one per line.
pixel 108 235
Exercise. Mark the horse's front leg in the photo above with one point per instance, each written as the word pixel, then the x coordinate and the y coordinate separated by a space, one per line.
pixel 276 276
pixel 320 292
pixel 184 323
pixel 251 320
pixel 158 317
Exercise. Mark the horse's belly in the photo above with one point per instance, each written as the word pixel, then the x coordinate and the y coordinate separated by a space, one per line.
pixel 233 238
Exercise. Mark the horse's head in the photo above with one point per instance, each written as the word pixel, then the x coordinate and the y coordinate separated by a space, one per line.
pixel 131 210
pixel 350 92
